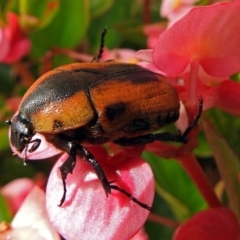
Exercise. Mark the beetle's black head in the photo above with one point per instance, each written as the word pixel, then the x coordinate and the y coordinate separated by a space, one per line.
pixel 22 132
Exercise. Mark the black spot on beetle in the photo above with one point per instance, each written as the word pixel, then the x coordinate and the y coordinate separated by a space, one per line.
pixel 115 110
pixel 57 125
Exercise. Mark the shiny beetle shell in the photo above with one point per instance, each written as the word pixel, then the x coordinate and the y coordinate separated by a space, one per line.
pixel 95 103
pixel 114 94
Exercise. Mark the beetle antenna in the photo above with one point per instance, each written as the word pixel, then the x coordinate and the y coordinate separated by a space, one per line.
pixel 100 52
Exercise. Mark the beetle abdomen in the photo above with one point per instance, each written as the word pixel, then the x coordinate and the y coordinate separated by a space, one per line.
pixel 142 104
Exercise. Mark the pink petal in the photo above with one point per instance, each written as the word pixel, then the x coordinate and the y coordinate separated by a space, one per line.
pixel 31 221
pixel 140 235
pixel 13 103
pixel 120 55
pixel 19 45
pixel 87 213
pixel 214 223
pixel 18 50
pixel 145 55
pixel 16 191
pixel 229 97
pixel 173 7
pixel 208 35
pixel 153 32
pixel 45 150
pixel 146 60
pixel 12 28
pixel 4 45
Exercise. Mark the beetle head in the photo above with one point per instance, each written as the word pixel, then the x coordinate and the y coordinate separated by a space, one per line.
pixel 22 132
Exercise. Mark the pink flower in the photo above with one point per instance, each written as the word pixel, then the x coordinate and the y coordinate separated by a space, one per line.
pixel 31 221
pixel 214 223
pixel 175 9
pixel 199 53
pixel 16 191
pixel 153 32
pixel 13 44
pixel 87 212
pixel 207 36
pixel 140 235
pixel 121 55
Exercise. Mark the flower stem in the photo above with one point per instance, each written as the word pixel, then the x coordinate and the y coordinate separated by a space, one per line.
pixel 193 78
pixel 194 170
pixel 163 220
pixel 146 11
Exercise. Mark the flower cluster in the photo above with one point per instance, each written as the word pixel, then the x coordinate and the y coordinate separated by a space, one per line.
pixel 13 44
pixel 198 52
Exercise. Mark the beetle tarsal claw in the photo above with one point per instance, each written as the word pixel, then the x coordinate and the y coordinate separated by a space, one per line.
pixel 143 205
pixel 66 168
pixel 195 121
pixel 64 190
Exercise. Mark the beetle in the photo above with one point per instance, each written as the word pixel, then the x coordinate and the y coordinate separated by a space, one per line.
pixel 96 103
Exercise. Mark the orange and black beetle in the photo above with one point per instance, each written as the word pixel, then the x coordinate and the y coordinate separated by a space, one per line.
pixel 96 103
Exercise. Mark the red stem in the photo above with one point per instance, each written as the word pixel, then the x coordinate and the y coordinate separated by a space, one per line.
pixel 146 11
pixel 163 220
pixel 193 169
pixel 193 78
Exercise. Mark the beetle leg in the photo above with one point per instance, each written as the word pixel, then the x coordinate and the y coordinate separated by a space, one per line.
pixel 143 205
pixel 97 168
pixel 148 138
pixel 107 186
pixel 66 168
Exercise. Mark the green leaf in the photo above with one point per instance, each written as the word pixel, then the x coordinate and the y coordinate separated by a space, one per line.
pixel 228 126
pixel 4 211
pixel 119 11
pixel 36 14
pixel 66 29
pixel 175 186
pixel 228 164
pixel 5 79
pixel 4 139
pixel 99 7
pixel 203 150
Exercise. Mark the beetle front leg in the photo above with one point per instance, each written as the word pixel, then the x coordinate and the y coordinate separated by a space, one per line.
pixel 67 167
pixel 97 168
pixel 105 183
